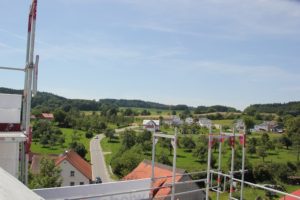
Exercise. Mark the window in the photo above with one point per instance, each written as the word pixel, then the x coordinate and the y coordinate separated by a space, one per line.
pixel 72 173
pixel 81 183
pixel 72 183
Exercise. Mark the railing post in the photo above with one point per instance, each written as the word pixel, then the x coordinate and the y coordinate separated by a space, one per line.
pixel 174 144
pixel 232 143
pixel 219 164
pixel 243 163
pixel 208 163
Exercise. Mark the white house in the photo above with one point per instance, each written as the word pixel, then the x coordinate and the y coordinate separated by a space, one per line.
pixel 151 125
pixel 265 126
pixel 74 169
pixel 173 120
pixel 204 122
pixel 240 125
pixel 189 120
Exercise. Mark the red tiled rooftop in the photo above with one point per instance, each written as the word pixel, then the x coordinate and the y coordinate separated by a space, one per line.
pixel 79 163
pixel 144 170
pixel 47 116
pixel 297 193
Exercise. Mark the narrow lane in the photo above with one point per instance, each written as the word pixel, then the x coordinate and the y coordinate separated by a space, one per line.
pixel 97 160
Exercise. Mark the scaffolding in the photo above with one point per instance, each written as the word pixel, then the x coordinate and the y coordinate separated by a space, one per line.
pixel 30 88
pixel 221 137
pixel 173 139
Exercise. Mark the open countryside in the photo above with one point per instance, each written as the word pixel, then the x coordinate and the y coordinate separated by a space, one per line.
pixel 158 100
pixel 271 156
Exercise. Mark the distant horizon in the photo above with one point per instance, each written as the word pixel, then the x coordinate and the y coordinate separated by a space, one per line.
pixel 175 52
pixel 159 102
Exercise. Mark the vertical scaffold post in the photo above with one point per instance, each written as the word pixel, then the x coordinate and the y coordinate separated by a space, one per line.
pixel 219 163
pixel 243 162
pixel 174 144
pixel 25 93
pixel 208 163
pixel 154 141
pixel 232 143
pixel 30 76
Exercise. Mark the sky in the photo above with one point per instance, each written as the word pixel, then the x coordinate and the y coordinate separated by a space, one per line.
pixel 194 52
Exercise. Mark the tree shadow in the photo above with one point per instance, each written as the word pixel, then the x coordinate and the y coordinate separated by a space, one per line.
pixel 113 141
pixel 200 161
pixel 273 153
pixel 180 156
pixel 254 157
pixel 147 153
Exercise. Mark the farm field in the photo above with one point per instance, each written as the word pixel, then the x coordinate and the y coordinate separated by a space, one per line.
pixel 36 147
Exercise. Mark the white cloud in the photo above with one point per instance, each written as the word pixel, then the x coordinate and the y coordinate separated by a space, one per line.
pixel 218 18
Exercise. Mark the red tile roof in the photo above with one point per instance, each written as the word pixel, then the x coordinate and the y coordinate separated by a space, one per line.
pixel 297 193
pixel 144 170
pixel 47 116
pixel 79 163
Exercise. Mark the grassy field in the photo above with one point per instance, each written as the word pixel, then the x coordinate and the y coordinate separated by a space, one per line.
pixel 225 122
pixel 36 147
pixel 187 161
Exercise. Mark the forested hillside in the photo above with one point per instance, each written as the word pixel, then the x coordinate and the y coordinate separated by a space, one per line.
pixel 292 108
pixel 49 101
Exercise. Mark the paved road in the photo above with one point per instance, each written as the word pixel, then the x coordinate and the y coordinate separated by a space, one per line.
pixel 99 167
pixel 97 160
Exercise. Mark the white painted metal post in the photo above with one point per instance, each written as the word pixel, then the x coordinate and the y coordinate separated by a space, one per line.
pixel 219 164
pixel 154 141
pixel 243 164
pixel 25 94
pixel 232 143
pixel 174 144
pixel 208 163
pixel 30 75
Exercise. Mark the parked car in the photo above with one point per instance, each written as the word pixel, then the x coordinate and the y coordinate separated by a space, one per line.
pixel 98 180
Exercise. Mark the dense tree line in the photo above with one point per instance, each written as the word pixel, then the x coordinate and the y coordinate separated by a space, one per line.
pixel 216 108
pixel 134 145
pixel 48 102
pixel 292 108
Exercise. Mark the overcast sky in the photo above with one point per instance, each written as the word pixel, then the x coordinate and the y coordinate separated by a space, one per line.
pixel 195 52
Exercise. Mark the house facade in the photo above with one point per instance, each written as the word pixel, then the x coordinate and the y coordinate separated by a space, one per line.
pixel 173 120
pixel 151 125
pixel 74 169
pixel 268 126
pixel 189 120
pixel 204 122
pixel 239 125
